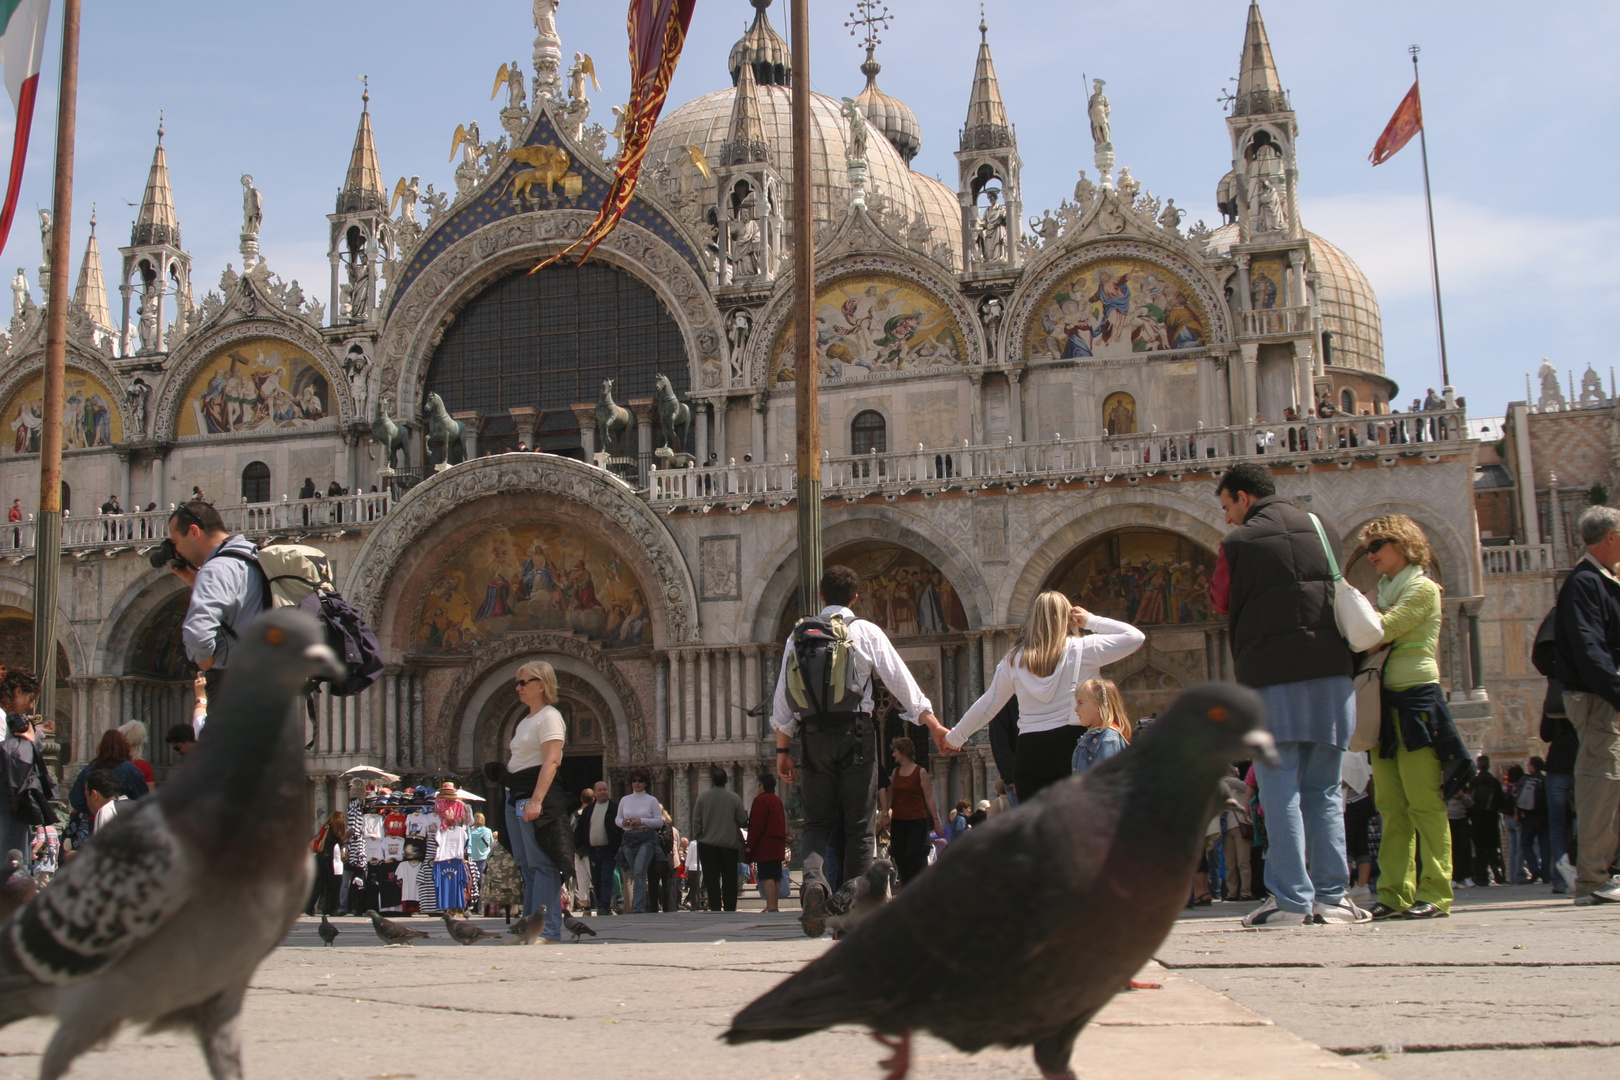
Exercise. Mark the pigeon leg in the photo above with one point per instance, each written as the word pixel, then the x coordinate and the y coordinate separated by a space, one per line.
pixel 75 1033
pixel 1052 1054
pixel 220 1038
pixel 899 1062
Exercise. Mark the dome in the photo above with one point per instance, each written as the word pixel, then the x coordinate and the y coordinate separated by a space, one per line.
pixel 763 49
pixel 1349 309
pixel 705 123
pixel 888 114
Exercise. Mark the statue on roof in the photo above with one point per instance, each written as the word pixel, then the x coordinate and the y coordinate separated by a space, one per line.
pixel 1085 193
pixel 19 293
pixel 252 208
pixel 1552 395
pixel 1097 110
pixel 857 130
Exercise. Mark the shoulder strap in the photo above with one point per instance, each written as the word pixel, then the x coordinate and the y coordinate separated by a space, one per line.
pixel 253 561
pixel 1327 548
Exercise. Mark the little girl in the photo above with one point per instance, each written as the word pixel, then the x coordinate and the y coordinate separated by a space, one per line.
pixel 1102 714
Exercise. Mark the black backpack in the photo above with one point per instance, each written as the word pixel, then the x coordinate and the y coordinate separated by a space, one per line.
pixel 820 672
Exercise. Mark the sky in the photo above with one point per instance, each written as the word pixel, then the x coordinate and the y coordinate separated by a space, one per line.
pixel 1520 112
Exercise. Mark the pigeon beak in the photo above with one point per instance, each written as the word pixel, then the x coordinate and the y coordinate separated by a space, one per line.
pixel 330 667
pixel 1264 747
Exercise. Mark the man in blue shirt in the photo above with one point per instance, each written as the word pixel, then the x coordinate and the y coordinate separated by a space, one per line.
pixel 226 593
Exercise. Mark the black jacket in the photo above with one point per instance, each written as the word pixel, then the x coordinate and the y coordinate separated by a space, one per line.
pixel 1281 617
pixel 1588 636
pixel 582 827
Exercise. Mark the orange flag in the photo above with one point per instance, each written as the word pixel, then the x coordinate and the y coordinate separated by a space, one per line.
pixel 1407 122
pixel 657 33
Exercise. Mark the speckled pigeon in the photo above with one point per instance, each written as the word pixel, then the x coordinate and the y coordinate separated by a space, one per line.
pixel 393 933
pixel 327 931
pixel 16 887
pixel 859 897
pixel 1099 865
pixel 576 927
pixel 164 916
pixel 465 931
pixel 526 931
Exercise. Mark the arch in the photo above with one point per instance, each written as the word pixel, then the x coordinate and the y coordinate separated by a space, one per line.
pixel 1146 576
pixel 19 596
pixel 452 503
pixel 256 482
pixel 129 614
pixel 1347 401
pixel 772 593
pixel 1119 414
pixel 199 351
pixel 1451 551
pixel 868 433
pixel 96 374
pixel 431 299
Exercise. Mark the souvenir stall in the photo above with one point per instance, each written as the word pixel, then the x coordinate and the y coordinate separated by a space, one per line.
pixel 407 847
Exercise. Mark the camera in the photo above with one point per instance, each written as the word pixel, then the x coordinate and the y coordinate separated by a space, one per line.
pixel 165 557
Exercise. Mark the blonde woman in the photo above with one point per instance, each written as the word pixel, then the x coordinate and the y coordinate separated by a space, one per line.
pixel 537 747
pixel 1107 729
pixel 1418 745
pixel 1060 646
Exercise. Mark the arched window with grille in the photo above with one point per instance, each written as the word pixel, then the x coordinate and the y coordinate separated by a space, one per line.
pixel 1347 402
pixel 256 482
pixel 868 435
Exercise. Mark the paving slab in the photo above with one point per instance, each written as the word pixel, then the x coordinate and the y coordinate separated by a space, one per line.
pixel 649 988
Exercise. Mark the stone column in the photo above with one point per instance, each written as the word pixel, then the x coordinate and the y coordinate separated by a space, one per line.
pixel 1302 376
pixel 758 403
pixel 1296 278
pixel 1245 301
pixel 585 417
pixel 1476 653
pixel 642 410
pixel 160 478
pixel 976 405
pixel 949 712
pixel 705 712
pixel 1016 420
pixel 682 811
pixel 717 437
pixel 1251 386
pixel 689 725
pixel 525 418
pixel 473 426
pixel 1557 536
pixel 125 458
pixel 700 431
pixel 661 705
pixel 735 719
pixel 758 727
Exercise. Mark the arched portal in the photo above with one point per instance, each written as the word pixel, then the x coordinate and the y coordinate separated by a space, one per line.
pixel 587 748
pixel 1146 577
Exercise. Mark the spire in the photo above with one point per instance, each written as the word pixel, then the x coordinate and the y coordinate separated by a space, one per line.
pixel 986 125
pixel 90 295
pixel 363 186
pixel 1259 89
pixel 746 137
pixel 888 114
pixel 156 223
pixel 763 49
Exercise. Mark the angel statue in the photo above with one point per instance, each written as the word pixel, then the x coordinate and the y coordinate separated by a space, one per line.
pixel 857 130
pixel 467 140
pixel 405 196
pixel 510 76
pixel 583 66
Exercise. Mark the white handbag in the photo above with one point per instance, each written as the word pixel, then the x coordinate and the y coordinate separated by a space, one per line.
pixel 1357 619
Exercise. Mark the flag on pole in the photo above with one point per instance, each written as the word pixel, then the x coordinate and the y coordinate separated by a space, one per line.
pixel 22 42
pixel 657 33
pixel 1407 122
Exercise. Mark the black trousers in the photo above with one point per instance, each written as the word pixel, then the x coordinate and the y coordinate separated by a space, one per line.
pixel 1487 835
pixel 908 844
pixel 719 866
pixel 838 777
pixel 1044 757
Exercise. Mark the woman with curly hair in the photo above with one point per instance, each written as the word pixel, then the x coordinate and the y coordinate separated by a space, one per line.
pixel 1420 757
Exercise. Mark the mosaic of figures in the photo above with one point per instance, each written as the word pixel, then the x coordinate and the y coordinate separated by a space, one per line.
pixel 531 577
pixel 1266 283
pixel 90 417
pixel 1115 308
pixel 261 385
pixel 901 591
pixel 1147 577
pixel 875 325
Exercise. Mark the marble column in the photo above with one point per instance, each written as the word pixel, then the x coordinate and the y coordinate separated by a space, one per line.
pixel 525 418
pixel 1016 418
pixel 1245 300
pixel 160 478
pixel 1251 385
pixel 1296 278
pixel 473 426
pixel 689 720
pixel 717 437
pixel 644 413
pixel 976 405
pixel 585 417
pixel 661 705
pixel 757 405
pixel 700 431
pixel 756 728
pixel 705 687
pixel 125 462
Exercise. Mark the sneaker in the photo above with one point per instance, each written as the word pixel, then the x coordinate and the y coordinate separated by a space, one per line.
pixel 1268 916
pixel 1604 894
pixel 813 920
pixel 1565 874
pixel 1359 893
pixel 1344 912
pixel 1383 911
pixel 1424 911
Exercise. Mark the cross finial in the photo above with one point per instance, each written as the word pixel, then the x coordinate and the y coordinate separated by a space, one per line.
pixel 160 125
pixel 984 28
pixel 365 93
pixel 869 17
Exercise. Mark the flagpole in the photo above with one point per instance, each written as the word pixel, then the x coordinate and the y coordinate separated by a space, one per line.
pixel 48 522
pixel 807 414
pixel 1434 258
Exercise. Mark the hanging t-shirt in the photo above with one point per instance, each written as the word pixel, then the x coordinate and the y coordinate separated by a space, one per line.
pixel 373 826
pixel 452 843
pixel 407 874
pixel 418 824
pixel 393 848
pixel 394 824
pixel 374 849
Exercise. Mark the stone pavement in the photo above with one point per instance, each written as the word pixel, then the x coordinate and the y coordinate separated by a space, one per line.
pixel 1510 969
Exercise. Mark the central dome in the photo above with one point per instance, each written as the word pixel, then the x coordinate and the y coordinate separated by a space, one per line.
pixel 705 123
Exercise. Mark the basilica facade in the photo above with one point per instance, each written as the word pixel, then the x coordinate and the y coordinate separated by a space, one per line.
pixel 1011 400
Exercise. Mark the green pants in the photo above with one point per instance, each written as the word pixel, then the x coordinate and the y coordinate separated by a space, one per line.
pixel 1406 790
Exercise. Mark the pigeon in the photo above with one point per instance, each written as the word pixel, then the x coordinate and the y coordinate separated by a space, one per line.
pixel 526 931
pixel 16 887
pixel 328 932
pixel 575 927
pixel 1100 863
pixel 393 933
pixel 859 897
pixel 468 933
pixel 165 914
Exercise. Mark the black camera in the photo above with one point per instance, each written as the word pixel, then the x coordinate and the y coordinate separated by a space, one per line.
pixel 165 557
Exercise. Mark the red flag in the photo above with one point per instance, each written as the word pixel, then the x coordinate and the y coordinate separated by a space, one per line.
pixel 1407 122
pixel 657 33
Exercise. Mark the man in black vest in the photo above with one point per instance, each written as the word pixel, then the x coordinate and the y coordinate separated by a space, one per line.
pixel 1274 582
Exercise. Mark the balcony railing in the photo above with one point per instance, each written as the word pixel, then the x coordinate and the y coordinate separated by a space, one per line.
pixel 1262 322
pixel 1061 460
pixel 1517 559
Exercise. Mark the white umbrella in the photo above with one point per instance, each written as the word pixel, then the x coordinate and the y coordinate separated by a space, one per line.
pixel 370 772
pixel 463 793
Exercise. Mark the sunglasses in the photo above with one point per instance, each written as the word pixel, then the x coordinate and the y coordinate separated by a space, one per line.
pixel 521 683
pixel 1377 545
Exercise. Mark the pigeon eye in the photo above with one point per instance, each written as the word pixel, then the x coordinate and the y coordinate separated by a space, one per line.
pixel 1218 714
pixel 275 635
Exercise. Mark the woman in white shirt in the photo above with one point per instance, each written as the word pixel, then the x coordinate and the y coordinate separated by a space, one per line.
pixel 1043 670
pixel 537 747
pixel 640 816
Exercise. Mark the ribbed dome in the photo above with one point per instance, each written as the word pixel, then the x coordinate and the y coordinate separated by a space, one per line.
pixel 705 123
pixel 763 49
pixel 888 114
pixel 1349 309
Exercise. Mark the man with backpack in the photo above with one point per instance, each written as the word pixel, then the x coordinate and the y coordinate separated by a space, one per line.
pixel 226 593
pixel 1530 798
pixel 828 669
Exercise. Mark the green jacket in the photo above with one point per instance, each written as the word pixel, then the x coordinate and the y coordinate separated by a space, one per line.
pixel 1410 604
pixel 719 818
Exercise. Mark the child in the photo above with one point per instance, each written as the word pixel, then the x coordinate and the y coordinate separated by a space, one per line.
pixel 1102 714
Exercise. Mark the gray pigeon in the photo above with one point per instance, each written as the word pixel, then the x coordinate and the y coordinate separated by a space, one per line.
pixel 16 887
pixel 526 931
pixel 165 914
pixel 466 932
pixel 859 897
pixel 327 931
pixel 575 927
pixel 1111 849
pixel 393 933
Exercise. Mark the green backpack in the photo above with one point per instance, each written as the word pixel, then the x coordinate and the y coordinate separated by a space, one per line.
pixel 820 670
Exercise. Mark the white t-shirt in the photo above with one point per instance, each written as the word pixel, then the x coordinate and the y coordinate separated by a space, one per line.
pixel 107 812
pixel 532 733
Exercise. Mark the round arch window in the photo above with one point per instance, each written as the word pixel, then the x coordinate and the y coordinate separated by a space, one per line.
pixel 256 482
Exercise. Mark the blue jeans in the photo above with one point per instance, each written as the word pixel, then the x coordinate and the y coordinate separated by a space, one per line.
pixel 541 882
pixel 635 853
pixel 1560 790
pixel 1304 811
pixel 1515 856
pixel 602 860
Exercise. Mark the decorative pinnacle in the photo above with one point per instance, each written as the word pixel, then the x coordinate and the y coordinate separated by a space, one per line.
pixel 160 125
pixel 365 93
pixel 870 17
pixel 984 28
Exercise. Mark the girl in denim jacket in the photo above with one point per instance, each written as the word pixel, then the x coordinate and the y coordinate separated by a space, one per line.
pixel 1102 713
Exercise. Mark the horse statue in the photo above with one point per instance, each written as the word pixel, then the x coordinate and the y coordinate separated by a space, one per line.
pixel 394 438
pixel 612 421
pixel 444 429
pixel 674 415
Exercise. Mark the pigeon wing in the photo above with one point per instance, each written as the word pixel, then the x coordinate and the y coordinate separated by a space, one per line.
pixel 115 893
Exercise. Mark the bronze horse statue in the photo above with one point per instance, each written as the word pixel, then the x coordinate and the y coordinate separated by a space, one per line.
pixel 612 421
pixel 674 415
pixel 395 439
pixel 444 429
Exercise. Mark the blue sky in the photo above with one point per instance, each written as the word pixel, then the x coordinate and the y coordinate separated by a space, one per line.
pixel 1521 110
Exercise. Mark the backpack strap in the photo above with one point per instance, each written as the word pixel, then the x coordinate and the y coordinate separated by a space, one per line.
pixel 239 555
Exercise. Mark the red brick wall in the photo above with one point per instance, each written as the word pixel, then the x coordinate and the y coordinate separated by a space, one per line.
pixel 1573 444
pixel 1494 508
